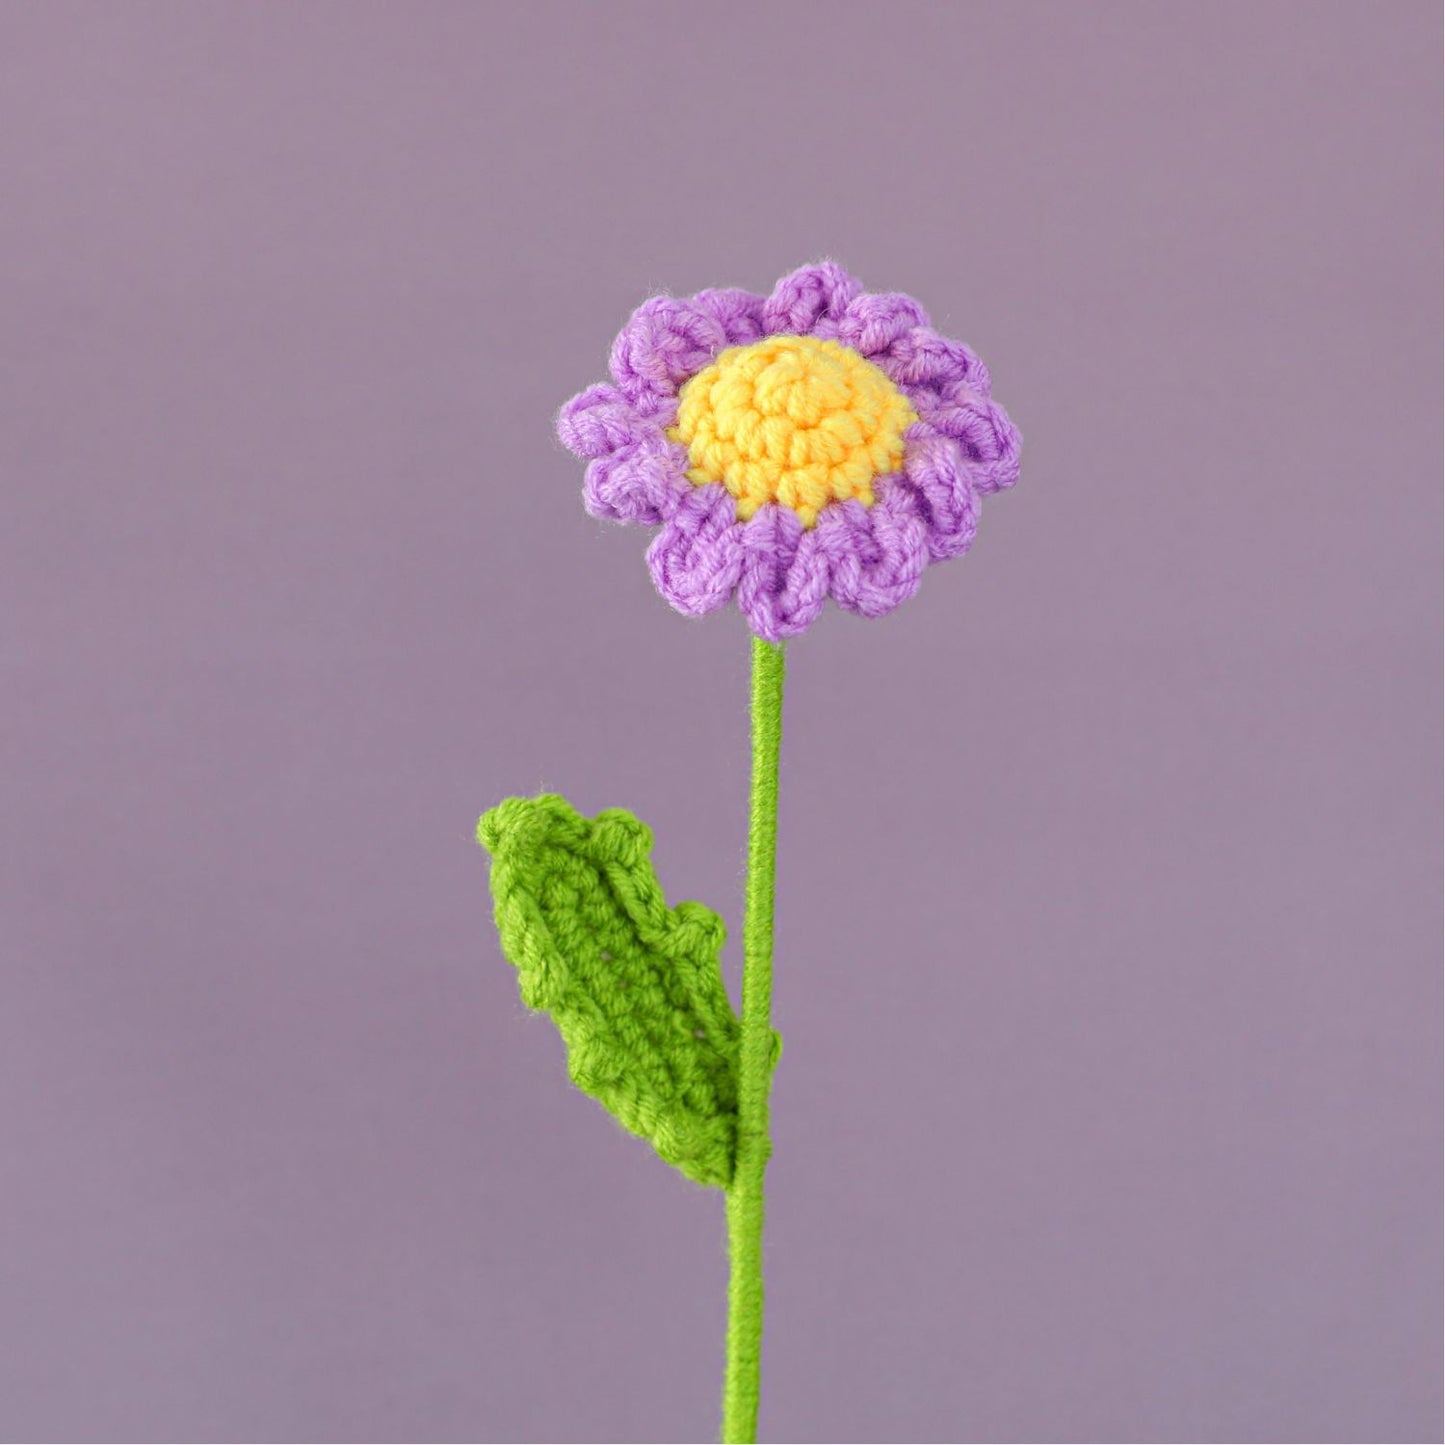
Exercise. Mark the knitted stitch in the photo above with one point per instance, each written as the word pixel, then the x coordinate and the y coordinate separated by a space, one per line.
pixel 632 985
pixel 778 564
pixel 817 442
pixel 792 420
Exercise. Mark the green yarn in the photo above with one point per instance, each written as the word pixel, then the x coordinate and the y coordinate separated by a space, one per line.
pixel 633 986
pixel 635 990
pixel 757 1056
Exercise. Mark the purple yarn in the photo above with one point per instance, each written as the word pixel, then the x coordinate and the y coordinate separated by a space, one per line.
pixel 868 559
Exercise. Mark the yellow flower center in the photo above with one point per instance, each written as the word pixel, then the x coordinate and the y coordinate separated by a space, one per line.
pixel 793 420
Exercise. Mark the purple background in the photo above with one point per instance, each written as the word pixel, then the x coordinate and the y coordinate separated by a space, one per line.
pixel 1109 926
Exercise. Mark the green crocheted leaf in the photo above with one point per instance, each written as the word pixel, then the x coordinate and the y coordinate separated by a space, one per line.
pixel 633 986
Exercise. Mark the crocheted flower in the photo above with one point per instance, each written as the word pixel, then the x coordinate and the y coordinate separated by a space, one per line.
pixel 821 441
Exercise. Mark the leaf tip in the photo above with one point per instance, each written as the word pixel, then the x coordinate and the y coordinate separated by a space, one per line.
pixel 520 825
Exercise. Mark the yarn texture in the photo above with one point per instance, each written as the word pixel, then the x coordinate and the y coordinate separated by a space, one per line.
pixel 818 442
pixel 635 989
pixel 757 1057
pixel 633 986
pixel 779 511
pixel 792 420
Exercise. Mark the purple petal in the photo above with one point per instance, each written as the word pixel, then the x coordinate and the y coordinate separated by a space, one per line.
pixel 598 421
pixel 976 382
pixel 696 558
pixel 666 341
pixel 808 296
pixel 937 486
pixel 784 581
pixel 876 555
pixel 989 441
pixel 738 312
pixel 921 357
pixel 873 321
pixel 640 482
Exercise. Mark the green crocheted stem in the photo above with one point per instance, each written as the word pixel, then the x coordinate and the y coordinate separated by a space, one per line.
pixel 757 1055
pixel 633 986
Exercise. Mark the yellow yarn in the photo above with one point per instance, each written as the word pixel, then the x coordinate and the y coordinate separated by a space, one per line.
pixel 794 420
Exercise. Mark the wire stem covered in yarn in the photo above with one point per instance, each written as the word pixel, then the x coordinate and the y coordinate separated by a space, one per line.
pixel 756 1058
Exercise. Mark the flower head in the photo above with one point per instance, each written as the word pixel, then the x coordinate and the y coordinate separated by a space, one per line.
pixel 821 441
